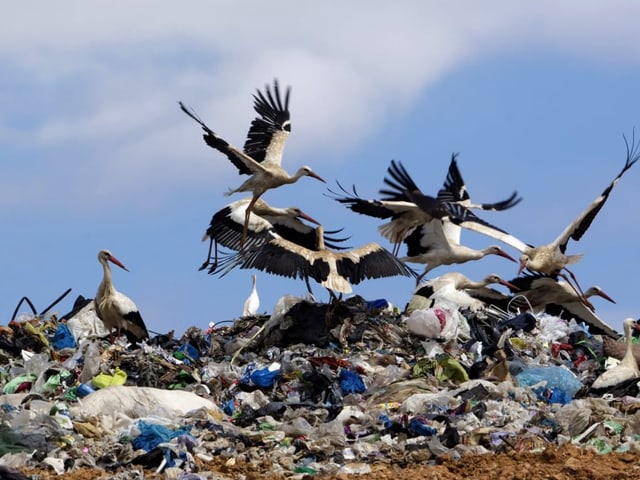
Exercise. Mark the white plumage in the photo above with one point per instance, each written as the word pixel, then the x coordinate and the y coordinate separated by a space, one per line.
pixel 114 308
pixel 261 157
pixel 252 303
pixel 551 258
pixel 627 369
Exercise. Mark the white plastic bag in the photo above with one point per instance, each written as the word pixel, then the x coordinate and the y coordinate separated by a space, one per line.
pixel 436 322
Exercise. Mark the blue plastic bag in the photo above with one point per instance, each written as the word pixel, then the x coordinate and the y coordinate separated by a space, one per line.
pixel 263 378
pixel 190 352
pixel 350 382
pixel 151 435
pixel 63 338
pixel 419 426
pixel 561 384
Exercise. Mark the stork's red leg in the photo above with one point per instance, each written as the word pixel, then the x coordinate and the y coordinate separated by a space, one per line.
pixel 576 288
pixel 245 228
pixel 208 260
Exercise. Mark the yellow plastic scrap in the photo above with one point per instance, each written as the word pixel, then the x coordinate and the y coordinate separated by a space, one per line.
pixel 103 380
pixel 88 429
pixel 450 369
pixel 518 343
pixel 36 332
pixel 423 367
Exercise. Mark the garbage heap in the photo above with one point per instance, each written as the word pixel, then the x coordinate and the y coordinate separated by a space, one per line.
pixel 311 388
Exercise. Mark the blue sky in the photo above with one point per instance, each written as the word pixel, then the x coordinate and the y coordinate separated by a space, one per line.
pixel 96 153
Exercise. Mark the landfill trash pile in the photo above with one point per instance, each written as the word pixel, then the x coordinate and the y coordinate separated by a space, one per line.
pixel 326 389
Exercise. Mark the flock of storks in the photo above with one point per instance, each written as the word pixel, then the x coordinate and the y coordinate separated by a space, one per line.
pixel 290 243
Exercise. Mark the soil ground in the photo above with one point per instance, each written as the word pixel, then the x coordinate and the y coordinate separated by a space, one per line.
pixel 555 463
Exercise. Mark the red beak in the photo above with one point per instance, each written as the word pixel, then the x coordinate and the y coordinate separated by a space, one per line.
pixel 114 260
pixel 504 254
pixel 308 218
pixel 605 296
pixel 316 176
pixel 510 286
pixel 522 267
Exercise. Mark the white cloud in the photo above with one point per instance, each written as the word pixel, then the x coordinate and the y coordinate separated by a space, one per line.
pixel 352 66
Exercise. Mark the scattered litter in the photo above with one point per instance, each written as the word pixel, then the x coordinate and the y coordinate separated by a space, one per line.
pixel 315 388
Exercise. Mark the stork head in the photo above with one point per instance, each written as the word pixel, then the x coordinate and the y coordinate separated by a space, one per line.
pixel 494 278
pixel 596 290
pixel 300 214
pixel 496 250
pixel 310 173
pixel 105 256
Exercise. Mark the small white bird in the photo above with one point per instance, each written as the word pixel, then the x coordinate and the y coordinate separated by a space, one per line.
pixel 252 303
pixel 627 369
pixel 114 308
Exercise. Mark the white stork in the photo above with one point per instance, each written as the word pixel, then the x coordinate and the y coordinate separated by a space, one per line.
pixel 405 215
pixel 421 221
pixel 457 288
pixel 438 243
pixel 627 369
pixel 265 222
pixel 335 271
pixel 262 154
pixel 252 303
pixel 551 258
pixel 114 308
pixel 545 293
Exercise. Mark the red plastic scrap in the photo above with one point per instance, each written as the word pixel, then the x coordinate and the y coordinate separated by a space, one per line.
pixel 333 363
pixel 556 347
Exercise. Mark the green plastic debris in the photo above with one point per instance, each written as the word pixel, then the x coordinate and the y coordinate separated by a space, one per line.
pixel 614 426
pixel 14 383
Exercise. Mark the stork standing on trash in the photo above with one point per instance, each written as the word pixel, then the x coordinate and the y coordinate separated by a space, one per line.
pixel 114 308
pixel 252 303
pixel 262 154
pixel 627 369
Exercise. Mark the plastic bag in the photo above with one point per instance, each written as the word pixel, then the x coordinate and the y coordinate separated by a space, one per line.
pixel 434 322
pixel 551 383
pixel 350 382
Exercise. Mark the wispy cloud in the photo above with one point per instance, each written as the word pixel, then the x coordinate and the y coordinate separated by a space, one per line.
pixel 101 83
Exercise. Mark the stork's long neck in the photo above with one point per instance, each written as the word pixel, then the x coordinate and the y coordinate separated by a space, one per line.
pixel 320 238
pixel 106 286
pixel 629 334
pixel 295 177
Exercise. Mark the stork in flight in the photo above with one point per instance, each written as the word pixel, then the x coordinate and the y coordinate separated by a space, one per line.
pixel 261 156
pixel 405 216
pixel 336 271
pixel 546 293
pixel 421 221
pixel 265 223
pixel 457 288
pixel 551 258
pixel 114 308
